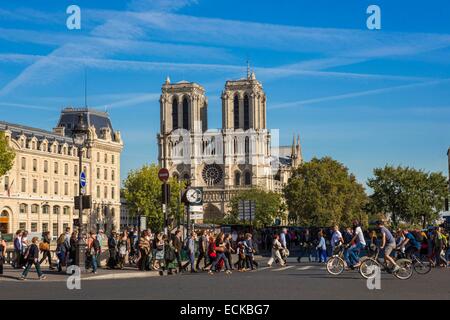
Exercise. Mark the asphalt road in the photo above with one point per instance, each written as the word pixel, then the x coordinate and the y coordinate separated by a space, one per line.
pixel 297 281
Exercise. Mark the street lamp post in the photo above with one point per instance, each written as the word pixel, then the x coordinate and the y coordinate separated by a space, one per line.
pixel 79 137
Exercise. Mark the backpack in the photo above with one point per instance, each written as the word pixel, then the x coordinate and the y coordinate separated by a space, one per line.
pixel 169 255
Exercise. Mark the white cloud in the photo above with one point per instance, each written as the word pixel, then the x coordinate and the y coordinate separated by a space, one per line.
pixel 356 94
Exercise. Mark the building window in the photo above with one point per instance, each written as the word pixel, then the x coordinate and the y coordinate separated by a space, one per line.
pixel 22 225
pixel 175 113
pixel 6 185
pixel 113 212
pixel 55 230
pixel 113 176
pixel 23 208
pixel 23 163
pixel 56 187
pixel 106 192
pixel 65 226
pixel 24 185
pixel 34 208
pixel 46 209
pixel 45 186
pixel 248 179
pixel 35 186
pixel 236 111
pixel 112 192
pixel 98 156
pixel 75 189
pixel 75 170
pixel 44 227
pixel 237 178
pixel 66 210
pixel 106 174
pixel 35 165
pixel 45 166
pixel 56 210
pixel 106 158
pixel 246 113
pixel 66 189
pixel 112 159
pixel 98 173
pixel 185 113
pixel 56 167
pixel 98 191
pixel 34 227
pixel 66 169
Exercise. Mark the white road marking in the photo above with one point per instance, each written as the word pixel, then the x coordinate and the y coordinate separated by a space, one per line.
pixel 282 269
pixel 305 268
pixel 260 269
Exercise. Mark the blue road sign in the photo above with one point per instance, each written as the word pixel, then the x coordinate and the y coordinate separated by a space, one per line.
pixel 83 179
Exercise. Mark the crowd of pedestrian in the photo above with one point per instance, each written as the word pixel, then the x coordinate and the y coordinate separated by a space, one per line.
pixel 212 252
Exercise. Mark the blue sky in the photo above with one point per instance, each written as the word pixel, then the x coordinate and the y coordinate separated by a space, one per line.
pixel 366 98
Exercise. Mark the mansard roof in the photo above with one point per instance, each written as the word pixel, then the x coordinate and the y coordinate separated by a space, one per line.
pixel 17 130
pixel 100 120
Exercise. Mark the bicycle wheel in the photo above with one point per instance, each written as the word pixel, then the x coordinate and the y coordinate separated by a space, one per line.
pixel 335 266
pixel 368 268
pixel 406 270
pixel 422 266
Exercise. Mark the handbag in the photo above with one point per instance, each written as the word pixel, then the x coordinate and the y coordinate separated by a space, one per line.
pixel 44 246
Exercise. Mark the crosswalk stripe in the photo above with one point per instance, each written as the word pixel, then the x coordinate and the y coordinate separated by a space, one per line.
pixel 282 269
pixel 305 268
pixel 260 269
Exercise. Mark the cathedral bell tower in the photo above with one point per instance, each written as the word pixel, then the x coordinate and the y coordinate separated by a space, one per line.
pixel 244 104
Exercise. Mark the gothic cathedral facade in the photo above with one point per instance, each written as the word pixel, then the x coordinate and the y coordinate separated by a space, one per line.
pixel 224 161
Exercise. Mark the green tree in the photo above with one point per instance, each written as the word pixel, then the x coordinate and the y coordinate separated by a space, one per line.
pixel 7 155
pixel 322 192
pixel 142 190
pixel 268 206
pixel 406 194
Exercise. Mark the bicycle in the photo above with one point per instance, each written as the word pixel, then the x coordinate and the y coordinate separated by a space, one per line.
pixel 368 267
pixel 336 264
pixel 421 266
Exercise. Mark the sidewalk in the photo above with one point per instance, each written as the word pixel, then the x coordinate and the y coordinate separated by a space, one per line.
pixel 10 274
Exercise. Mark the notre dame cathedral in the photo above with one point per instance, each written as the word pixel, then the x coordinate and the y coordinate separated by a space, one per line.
pixel 239 156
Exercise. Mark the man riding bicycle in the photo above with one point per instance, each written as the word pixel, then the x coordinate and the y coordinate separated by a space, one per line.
pixel 388 244
pixel 412 246
pixel 359 243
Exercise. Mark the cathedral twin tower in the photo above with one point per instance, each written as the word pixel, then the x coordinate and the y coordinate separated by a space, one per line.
pixel 221 161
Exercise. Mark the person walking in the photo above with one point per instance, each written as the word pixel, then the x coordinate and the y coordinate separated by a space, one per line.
pixel 249 251
pixel 61 251
pixel 71 246
pixel 124 248
pixel 25 245
pixel 220 255
pixel 229 249
pixel 2 253
pixel 322 248
pixel 190 246
pixel 202 250
pixel 276 256
pixel 93 251
pixel 44 246
pixel 144 251
pixel 159 243
pixel 178 245
pixel 18 256
pixel 32 257
pixel 112 247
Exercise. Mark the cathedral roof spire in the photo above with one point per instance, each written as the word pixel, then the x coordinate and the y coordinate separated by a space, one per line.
pixel 248 69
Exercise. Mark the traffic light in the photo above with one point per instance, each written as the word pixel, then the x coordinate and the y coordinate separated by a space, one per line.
pixel 165 193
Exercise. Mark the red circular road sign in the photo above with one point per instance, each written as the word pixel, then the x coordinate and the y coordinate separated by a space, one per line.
pixel 163 174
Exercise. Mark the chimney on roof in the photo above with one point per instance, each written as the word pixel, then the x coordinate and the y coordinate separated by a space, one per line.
pixel 60 131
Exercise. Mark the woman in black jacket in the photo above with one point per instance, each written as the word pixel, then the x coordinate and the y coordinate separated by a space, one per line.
pixel 46 249
pixel 32 257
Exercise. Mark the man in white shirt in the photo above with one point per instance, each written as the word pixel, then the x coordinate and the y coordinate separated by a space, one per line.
pixel 359 243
